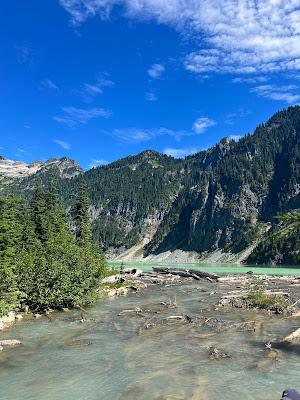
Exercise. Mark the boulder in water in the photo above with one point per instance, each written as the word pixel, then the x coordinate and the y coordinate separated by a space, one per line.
pixel 7 320
pixel 217 354
pixel 9 343
pixel 293 337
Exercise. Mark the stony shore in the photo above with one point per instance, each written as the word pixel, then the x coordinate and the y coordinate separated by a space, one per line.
pixel 268 294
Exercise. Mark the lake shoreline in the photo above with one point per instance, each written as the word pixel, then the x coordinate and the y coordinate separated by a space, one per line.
pixel 132 282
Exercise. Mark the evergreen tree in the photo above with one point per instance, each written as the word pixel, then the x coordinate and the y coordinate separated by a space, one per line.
pixel 38 212
pixel 81 216
pixel 11 228
pixel 55 270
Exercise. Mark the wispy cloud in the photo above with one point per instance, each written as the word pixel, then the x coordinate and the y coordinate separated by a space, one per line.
pixel 96 163
pixel 91 90
pixel 246 37
pixel 48 84
pixel 61 143
pixel 180 153
pixel 140 135
pixel 20 152
pixel 202 124
pixel 280 93
pixel 230 118
pixel 156 71
pixel 252 80
pixel 151 96
pixel 143 135
pixel 78 116
pixel 24 54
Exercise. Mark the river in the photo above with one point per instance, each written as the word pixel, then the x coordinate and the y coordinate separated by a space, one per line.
pixel 109 357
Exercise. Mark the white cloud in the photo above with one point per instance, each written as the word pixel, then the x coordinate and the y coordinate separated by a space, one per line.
pixel 96 163
pixel 48 84
pixel 151 96
pixel 281 93
pixel 202 124
pixel 180 153
pixel 62 144
pixel 77 116
pixel 156 71
pixel 91 90
pixel 234 36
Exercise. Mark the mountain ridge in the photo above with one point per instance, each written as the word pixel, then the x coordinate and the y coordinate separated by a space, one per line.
pixel 217 204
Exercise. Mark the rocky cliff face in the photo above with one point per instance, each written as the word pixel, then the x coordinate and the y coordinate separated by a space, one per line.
pixel 16 169
pixel 233 191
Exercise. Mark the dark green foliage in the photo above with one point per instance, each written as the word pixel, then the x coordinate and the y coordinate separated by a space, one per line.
pixel 81 216
pixel 11 230
pixel 128 191
pixel 41 262
pixel 282 243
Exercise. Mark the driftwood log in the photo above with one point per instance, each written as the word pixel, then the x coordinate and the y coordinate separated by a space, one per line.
pixel 187 273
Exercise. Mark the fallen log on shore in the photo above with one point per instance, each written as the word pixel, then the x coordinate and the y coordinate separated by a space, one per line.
pixel 187 273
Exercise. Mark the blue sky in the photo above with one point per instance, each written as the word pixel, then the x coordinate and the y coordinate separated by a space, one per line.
pixel 97 80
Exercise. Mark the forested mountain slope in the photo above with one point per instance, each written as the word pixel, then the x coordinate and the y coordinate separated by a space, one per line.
pixel 223 199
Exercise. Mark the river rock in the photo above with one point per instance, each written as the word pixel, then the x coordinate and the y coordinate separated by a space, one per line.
pixel 113 279
pixel 293 337
pixel 133 271
pixel 9 343
pixel 122 291
pixel 7 320
pixel 217 354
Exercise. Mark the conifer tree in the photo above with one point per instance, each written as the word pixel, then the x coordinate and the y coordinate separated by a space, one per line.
pixel 38 212
pixel 11 227
pixel 81 216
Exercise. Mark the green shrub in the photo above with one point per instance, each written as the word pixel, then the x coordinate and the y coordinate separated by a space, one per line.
pixel 260 299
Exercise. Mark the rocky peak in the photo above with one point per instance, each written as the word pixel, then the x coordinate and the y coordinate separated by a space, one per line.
pixel 17 169
pixel 67 168
pixel 11 170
